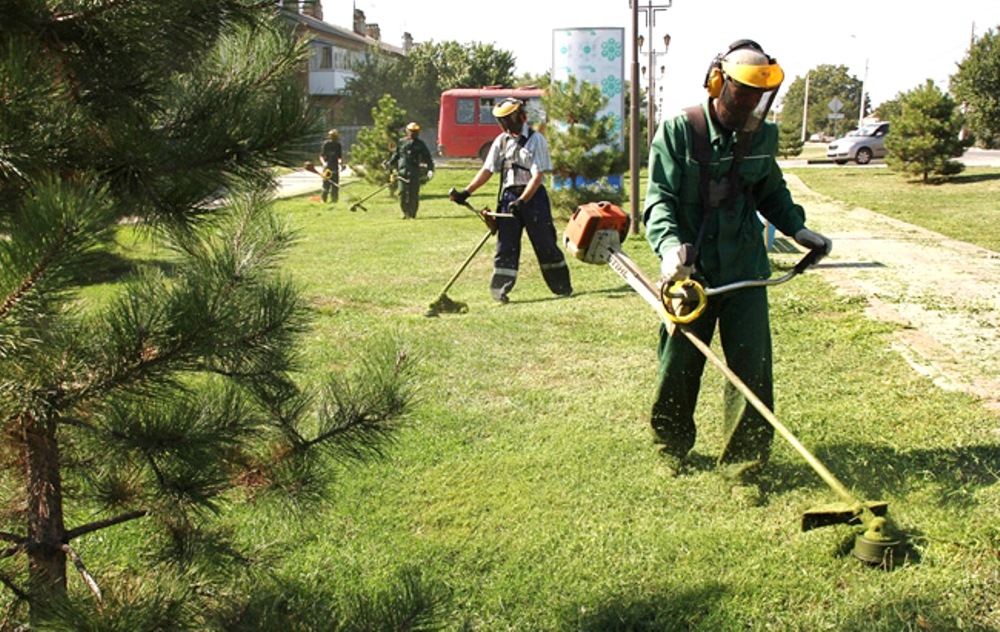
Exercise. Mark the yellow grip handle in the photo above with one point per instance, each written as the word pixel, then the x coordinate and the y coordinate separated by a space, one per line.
pixel 687 287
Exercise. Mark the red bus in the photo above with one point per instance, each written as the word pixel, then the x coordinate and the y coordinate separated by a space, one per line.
pixel 466 126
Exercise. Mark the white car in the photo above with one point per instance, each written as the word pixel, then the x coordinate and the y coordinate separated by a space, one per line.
pixel 860 145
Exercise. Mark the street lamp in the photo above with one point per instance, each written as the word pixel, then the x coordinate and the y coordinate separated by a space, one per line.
pixel 650 11
pixel 648 71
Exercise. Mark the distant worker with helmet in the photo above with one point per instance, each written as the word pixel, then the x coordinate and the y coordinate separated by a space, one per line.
pixel 521 156
pixel 414 165
pixel 712 167
pixel 330 155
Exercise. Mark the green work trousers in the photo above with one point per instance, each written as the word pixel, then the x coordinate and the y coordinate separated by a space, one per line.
pixel 745 333
pixel 409 196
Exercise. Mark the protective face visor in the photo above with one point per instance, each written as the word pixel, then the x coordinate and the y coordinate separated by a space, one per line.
pixel 509 115
pixel 747 94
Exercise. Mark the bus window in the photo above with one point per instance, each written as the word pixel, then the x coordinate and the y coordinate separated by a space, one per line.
pixel 486 112
pixel 465 111
pixel 464 132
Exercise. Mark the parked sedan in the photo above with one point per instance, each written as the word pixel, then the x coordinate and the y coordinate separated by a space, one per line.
pixel 860 145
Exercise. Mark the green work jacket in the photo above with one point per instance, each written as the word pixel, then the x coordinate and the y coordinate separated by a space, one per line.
pixel 411 158
pixel 733 247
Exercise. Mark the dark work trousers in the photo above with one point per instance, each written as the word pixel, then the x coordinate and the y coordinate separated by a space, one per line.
pixel 409 195
pixel 535 217
pixel 745 332
pixel 331 186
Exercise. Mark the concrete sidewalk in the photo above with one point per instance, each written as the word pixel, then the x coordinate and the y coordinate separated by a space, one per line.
pixel 298 183
pixel 304 182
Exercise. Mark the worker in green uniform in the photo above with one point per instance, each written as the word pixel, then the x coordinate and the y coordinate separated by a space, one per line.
pixel 414 165
pixel 701 216
pixel 330 155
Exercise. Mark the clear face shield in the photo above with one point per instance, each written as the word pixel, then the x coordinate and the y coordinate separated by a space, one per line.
pixel 744 108
pixel 512 123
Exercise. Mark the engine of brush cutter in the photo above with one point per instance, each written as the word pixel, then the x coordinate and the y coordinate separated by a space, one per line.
pixel 595 232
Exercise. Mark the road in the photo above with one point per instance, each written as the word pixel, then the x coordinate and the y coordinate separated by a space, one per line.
pixel 973 157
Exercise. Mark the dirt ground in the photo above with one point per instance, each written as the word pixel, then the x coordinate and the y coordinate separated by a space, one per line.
pixel 945 293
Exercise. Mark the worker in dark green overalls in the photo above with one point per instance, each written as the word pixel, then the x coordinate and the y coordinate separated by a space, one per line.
pixel 414 165
pixel 706 226
pixel 521 156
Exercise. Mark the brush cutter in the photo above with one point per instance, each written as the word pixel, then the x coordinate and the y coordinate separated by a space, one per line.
pixel 326 174
pixel 594 235
pixel 443 304
pixel 358 205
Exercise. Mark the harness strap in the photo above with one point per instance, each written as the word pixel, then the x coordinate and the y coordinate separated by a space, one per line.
pixel 702 152
pixel 701 149
pixel 510 165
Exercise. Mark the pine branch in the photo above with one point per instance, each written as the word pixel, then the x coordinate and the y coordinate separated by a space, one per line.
pixel 87 577
pixel 360 423
pixel 30 281
pixel 91 13
pixel 14 550
pixel 103 524
pixel 10 537
pixel 9 583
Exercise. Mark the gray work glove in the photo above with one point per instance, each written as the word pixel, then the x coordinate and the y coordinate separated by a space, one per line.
pixel 672 266
pixel 814 241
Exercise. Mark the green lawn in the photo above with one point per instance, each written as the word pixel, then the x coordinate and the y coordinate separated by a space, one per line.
pixel 965 208
pixel 524 484
pixel 522 490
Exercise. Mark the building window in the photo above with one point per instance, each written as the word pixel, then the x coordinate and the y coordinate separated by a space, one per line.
pixel 326 58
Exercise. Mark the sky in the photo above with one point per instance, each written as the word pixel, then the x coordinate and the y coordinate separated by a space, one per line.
pixel 902 43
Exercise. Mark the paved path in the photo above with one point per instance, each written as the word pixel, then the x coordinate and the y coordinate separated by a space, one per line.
pixel 298 183
pixel 945 293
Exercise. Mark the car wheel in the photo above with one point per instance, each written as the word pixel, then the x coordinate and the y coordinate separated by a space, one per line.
pixel 864 156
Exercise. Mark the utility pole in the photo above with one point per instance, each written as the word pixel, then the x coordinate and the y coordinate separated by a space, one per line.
pixel 650 11
pixel 651 94
pixel 805 112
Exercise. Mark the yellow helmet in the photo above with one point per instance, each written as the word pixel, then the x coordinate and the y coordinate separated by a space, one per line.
pixel 507 107
pixel 333 134
pixel 753 68
pixel 412 127
pixel 744 82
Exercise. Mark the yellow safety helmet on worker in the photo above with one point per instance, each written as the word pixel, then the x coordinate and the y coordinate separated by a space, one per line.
pixel 744 82
pixel 511 115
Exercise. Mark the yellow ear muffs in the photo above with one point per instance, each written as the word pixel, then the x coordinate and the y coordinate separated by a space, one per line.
pixel 714 81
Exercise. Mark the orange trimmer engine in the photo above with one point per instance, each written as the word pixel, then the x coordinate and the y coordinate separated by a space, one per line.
pixel 595 232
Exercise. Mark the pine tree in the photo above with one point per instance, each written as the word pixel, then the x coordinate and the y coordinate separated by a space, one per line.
pixel 582 145
pixel 925 136
pixel 375 144
pixel 137 391
pixel 789 140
